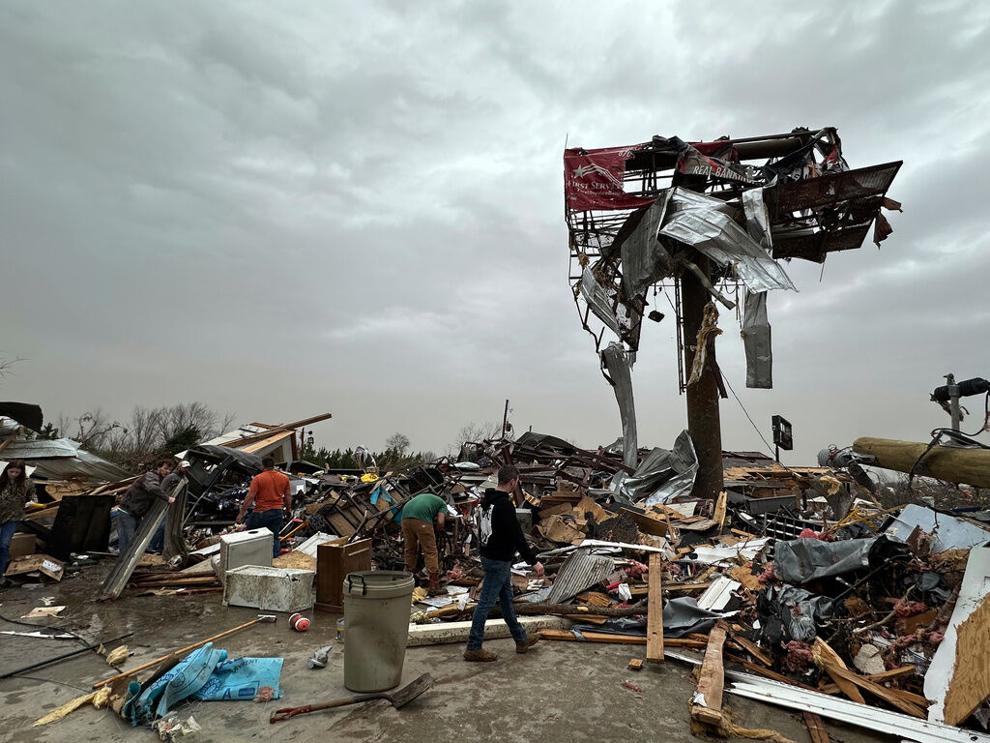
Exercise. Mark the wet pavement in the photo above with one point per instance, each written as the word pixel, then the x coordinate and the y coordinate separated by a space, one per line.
pixel 559 692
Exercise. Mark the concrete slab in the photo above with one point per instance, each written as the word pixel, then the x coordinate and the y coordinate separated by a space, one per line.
pixel 446 633
pixel 557 693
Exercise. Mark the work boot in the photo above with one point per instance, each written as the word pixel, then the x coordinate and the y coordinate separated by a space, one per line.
pixel 479 656
pixel 435 589
pixel 525 645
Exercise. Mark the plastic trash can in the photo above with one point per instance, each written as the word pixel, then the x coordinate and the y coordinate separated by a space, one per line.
pixel 376 613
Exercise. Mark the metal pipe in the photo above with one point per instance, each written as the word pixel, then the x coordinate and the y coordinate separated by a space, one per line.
pixel 65 656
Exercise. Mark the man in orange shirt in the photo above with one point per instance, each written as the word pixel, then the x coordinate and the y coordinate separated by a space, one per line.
pixel 269 494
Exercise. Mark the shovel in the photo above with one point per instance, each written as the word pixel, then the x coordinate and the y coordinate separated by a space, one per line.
pixel 398 699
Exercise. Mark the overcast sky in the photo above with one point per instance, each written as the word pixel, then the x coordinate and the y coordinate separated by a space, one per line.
pixel 281 209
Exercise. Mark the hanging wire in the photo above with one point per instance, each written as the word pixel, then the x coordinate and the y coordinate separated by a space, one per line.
pixel 748 416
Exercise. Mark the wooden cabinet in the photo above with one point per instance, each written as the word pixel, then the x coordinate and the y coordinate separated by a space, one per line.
pixel 334 560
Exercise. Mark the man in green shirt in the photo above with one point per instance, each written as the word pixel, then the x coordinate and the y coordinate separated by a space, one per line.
pixel 418 515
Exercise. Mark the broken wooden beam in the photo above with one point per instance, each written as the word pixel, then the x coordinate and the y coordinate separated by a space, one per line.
pixel 829 660
pixel 654 616
pixel 706 706
pixel 606 637
pixel 816 727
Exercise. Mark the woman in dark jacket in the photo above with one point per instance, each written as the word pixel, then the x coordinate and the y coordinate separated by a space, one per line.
pixel 16 489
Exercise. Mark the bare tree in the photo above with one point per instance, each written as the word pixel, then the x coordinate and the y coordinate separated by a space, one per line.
pixel 399 443
pixel 93 429
pixel 7 366
pixel 150 433
pixel 474 432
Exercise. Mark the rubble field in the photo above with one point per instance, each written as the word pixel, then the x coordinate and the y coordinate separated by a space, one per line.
pixel 659 611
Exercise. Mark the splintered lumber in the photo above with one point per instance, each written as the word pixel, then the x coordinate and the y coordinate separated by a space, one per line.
pixel 753 649
pixel 654 617
pixel 825 657
pixel 816 727
pixel 706 706
pixel 892 697
pixel 720 508
pixel 970 684
pixel 635 664
pixel 970 466
pixel 607 637
pixel 569 610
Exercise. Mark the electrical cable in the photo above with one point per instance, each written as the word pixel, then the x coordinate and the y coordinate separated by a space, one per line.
pixel 56 627
pixel 749 417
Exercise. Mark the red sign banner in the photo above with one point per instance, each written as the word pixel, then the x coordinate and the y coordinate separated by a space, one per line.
pixel 593 180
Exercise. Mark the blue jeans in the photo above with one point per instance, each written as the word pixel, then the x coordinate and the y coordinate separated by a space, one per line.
pixel 271 520
pixel 127 526
pixel 7 529
pixel 497 587
pixel 158 541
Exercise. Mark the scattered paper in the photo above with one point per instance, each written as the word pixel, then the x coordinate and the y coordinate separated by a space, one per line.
pixel 40 612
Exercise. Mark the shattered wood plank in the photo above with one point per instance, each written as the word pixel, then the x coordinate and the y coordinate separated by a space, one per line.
pixel 687 586
pixel 753 649
pixel 606 637
pixel 830 660
pixel 654 617
pixel 720 507
pixel 706 706
pixel 816 727
pixel 891 697
pixel 970 683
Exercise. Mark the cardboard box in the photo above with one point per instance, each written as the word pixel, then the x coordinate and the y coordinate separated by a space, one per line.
pixel 23 544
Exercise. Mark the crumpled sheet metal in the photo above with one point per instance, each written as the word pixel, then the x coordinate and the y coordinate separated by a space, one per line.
pixel 706 224
pixel 948 531
pixel 757 218
pixel 729 554
pixel 644 259
pixel 597 298
pixel 799 561
pixel 618 362
pixel 662 475
pixel 581 571
pixel 756 341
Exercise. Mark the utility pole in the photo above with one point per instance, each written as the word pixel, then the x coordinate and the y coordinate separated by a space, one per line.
pixel 505 418
pixel 954 411
pixel 702 397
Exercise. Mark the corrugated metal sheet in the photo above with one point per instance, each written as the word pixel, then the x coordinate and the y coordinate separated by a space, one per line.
pixel 581 571
pixel 63 459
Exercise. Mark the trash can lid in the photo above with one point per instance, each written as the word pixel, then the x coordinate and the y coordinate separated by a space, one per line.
pixel 379 584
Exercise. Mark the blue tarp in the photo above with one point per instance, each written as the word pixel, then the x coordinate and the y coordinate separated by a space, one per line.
pixel 205 674
pixel 241 678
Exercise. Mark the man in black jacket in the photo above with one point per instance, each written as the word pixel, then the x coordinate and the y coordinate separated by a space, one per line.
pixel 138 501
pixel 500 537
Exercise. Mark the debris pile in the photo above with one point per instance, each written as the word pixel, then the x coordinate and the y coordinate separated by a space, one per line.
pixel 792 584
